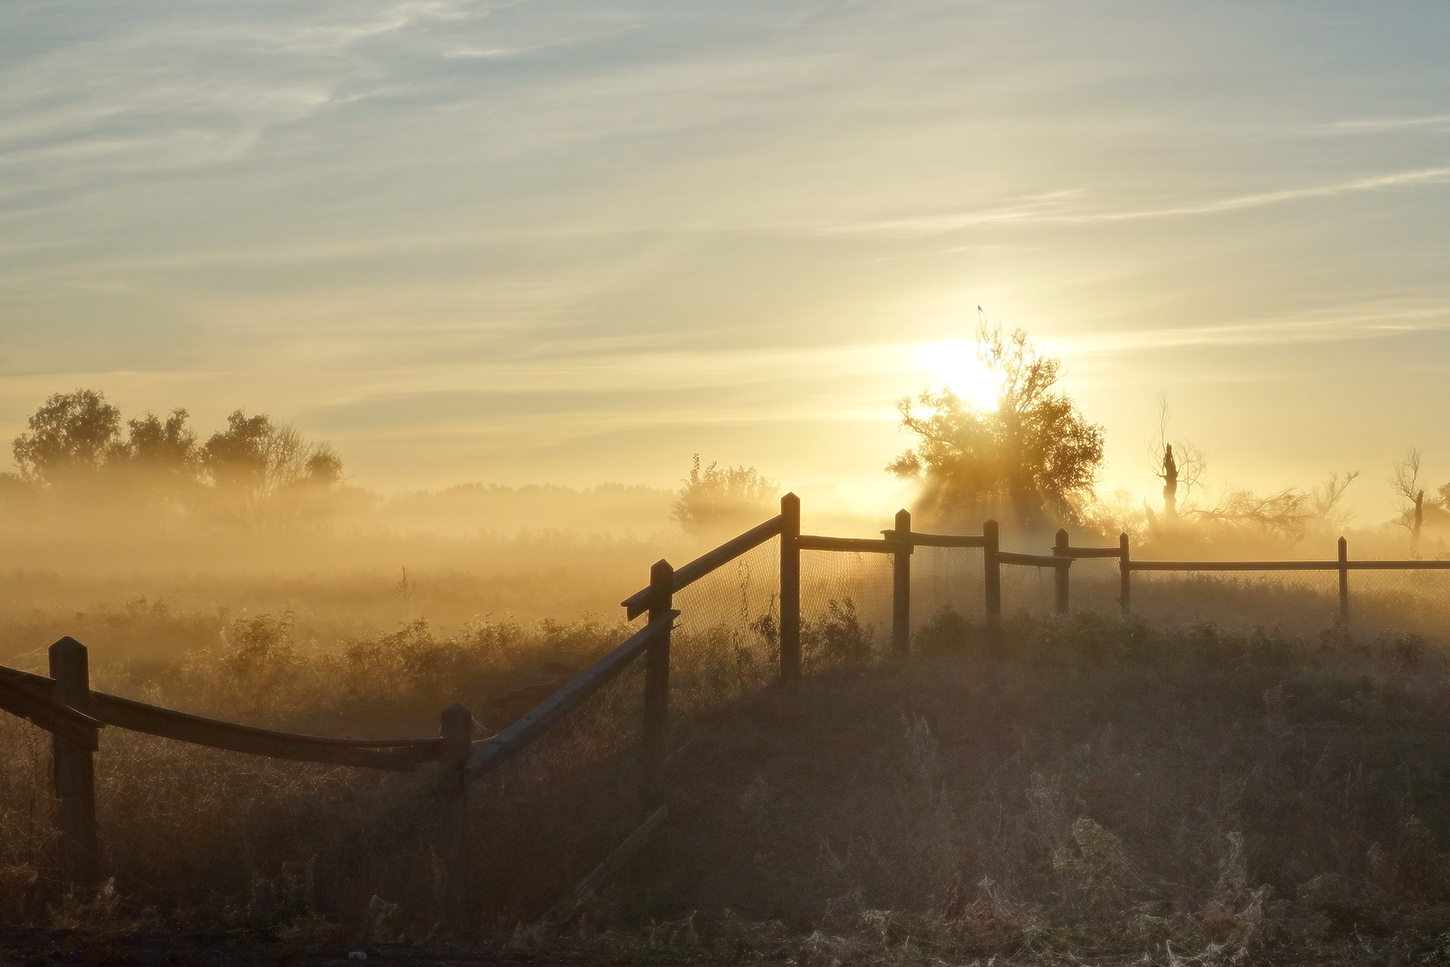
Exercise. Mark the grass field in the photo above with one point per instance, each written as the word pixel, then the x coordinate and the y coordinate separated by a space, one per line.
pixel 1224 777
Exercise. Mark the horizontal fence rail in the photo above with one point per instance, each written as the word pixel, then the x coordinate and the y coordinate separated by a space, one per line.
pixel 1092 552
pixel 858 545
pixel 1033 560
pixel 919 539
pixel 39 709
pixel 1287 565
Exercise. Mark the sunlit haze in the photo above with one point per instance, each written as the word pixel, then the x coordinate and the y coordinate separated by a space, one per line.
pixel 572 243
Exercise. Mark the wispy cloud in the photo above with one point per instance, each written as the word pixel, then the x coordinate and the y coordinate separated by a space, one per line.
pixel 1364 323
pixel 1056 208
pixel 1385 124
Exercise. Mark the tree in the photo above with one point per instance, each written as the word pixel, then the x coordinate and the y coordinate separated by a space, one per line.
pixel 168 446
pixel 1181 473
pixel 262 470
pixel 1415 510
pixel 717 498
pixel 159 462
pixel 1034 457
pixel 69 438
pixel 1239 513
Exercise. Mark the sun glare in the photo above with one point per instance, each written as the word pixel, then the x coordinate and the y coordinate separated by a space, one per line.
pixel 954 364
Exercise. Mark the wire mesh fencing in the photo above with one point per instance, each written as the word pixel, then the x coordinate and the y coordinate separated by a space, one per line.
pixel 727 639
pixel 1294 602
pixel 846 602
pixel 947 579
pixel 1095 585
pixel 1400 601
pixel 1028 591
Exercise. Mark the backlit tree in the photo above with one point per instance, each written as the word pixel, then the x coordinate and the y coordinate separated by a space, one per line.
pixel 1032 459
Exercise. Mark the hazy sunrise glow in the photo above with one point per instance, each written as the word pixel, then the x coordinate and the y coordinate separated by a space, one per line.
pixel 559 242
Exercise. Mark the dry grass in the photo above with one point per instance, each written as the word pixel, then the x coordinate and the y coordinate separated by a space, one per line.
pixel 1079 789
pixel 1091 788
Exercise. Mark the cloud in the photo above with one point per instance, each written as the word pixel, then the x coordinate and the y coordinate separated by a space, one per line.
pixel 1367 322
pixel 1384 124
pixel 1055 208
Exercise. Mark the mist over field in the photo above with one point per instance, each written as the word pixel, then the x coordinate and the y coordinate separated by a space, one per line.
pixel 782 483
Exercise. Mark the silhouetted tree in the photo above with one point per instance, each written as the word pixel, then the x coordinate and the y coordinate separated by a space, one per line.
pixel 168 445
pixel 1170 483
pixel 69 438
pixel 1415 510
pixel 1034 453
pixel 265 471
pixel 1239 513
pixel 1181 470
pixel 717 499
pixel 159 462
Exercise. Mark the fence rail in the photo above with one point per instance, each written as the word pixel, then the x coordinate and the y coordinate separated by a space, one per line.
pixel 638 602
pixel 518 736
pixel 66 706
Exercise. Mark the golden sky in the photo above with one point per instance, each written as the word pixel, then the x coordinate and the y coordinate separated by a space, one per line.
pixel 576 242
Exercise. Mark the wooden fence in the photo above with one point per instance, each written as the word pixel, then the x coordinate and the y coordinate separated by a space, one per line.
pixel 65 705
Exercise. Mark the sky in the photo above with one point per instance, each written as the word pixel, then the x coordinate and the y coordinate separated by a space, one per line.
pixel 579 242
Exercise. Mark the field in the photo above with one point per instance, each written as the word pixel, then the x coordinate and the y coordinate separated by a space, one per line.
pixel 1224 776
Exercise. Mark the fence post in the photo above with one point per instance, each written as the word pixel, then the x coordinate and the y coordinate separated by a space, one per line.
pixel 75 767
pixel 901 585
pixel 1060 573
pixel 457 732
pixel 992 574
pixel 790 589
pixel 656 688
pixel 1125 574
pixel 1343 586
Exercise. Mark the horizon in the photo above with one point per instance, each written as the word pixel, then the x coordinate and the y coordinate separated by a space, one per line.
pixel 561 244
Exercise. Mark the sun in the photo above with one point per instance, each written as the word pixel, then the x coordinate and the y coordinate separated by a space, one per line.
pixel 954 365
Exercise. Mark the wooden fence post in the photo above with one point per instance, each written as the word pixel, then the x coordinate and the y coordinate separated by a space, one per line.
pixel 457 732
pixel 656 689
pixel 1125 574
pixel 992 574
pixel 1343 586
pixel 75 768
pixel 1060 573
pixel 901 585
pixel 790 589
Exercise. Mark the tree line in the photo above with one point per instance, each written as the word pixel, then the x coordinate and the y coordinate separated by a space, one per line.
pixel 254 471
pixel 1032 461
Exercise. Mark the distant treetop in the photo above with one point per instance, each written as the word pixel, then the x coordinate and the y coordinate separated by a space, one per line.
pixel 718 499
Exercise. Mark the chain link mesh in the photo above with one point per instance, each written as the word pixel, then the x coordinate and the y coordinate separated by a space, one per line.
pixel 1411 601
pixel 1295 602
pixel 1027 591
pixel 845 607
pixel 1094 585
pixel 727 639
pixel 945 578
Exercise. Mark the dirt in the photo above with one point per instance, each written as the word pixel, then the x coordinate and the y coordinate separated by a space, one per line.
pixel 66 948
